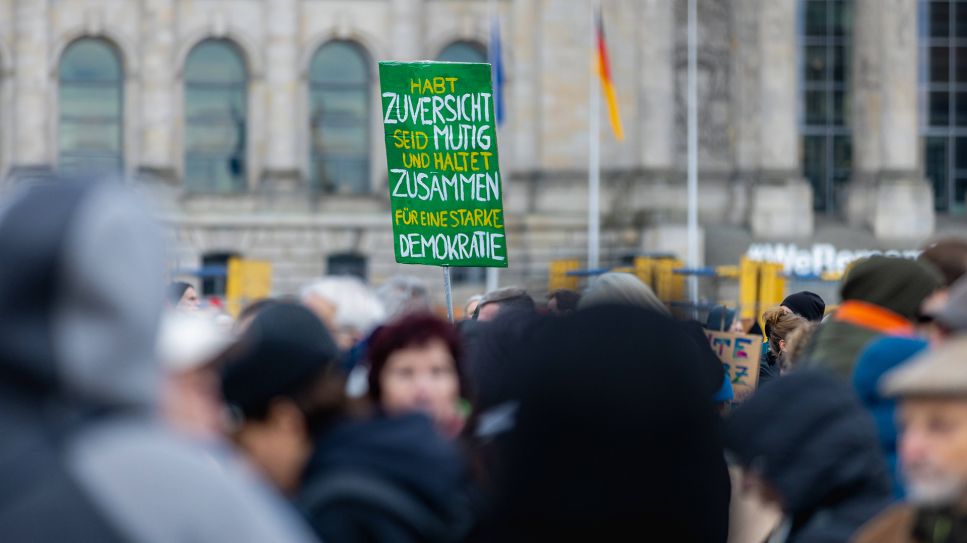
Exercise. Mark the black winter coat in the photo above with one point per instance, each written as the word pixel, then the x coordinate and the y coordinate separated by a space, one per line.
pixel 391 479
pixel 809 438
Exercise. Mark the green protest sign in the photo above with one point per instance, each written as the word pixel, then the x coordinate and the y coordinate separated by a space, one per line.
pixel 441 149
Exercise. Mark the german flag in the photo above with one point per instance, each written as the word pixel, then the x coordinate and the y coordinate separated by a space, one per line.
pixel 604 72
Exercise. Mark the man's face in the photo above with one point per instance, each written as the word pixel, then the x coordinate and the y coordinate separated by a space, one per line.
pixel 189 300
pixel 933 449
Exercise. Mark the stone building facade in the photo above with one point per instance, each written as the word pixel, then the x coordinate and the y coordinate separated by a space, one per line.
pixel 751 106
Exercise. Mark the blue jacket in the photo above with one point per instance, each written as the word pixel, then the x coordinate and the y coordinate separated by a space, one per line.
pixel 878 357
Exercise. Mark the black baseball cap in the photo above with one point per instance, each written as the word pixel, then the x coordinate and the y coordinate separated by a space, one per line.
pixel 284 349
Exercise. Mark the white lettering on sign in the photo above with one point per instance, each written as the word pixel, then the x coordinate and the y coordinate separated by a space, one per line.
pixel 453 247
pixel 478 187
pixel 817 260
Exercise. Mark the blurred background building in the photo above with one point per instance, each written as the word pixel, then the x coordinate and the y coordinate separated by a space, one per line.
pixel 821 121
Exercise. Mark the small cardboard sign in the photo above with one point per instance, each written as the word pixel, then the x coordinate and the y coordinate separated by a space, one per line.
pixel 441 151
pixel 739 354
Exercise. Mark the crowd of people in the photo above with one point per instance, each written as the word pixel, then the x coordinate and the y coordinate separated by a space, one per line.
pixel 351 414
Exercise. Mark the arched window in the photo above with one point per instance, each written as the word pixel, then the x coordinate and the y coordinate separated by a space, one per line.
pixel 463 51
pixel 91 85
pixel 339 87
pixel 215 118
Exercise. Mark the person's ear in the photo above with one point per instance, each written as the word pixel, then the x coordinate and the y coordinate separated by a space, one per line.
pixel 782 345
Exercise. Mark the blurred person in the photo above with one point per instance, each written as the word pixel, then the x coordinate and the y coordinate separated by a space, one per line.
pixel 503 300
pixel 84 456
pixel 563 301
pixel 805 444
pixel 183 297
pixel 879 357
pixel 248 313
pixel 416 366
pixel 949 256
pixel 392 479
pixel 347 306
pixel 720 319
pixel 622 289
pixel 723 319
pixel 807 305
pixel 471 306
pixel 881 296
pixel 717 380
pixel 489 352
pixel 950 318
pixel 224 321
pixel 579 453
pixel 779 322
pixel 188 348
pixel 796 344
pixel 932 394
pixel 403 294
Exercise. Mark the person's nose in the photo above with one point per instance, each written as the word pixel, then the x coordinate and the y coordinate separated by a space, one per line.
pixel 423 385
pixel 914 446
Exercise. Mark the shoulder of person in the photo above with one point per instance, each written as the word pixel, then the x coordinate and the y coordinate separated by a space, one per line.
pixel 891 526
pixel 158 486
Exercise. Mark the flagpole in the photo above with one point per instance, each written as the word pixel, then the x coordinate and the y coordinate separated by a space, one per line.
pixel 692 152
pixel 594 151
pixel 493 277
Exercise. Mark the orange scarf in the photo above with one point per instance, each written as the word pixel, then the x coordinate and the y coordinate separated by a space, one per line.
pixel 873 317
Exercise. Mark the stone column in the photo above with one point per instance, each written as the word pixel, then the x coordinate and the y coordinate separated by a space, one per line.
pixel 781 205
pixel 32 117
pixel 523 89
pixel 158 91
pixel 656 77
pixel 887 190
pixel 745 88
pixel 744 106
pixel 281 88
pixel 865 104
pixel 656 121
pixel 406 29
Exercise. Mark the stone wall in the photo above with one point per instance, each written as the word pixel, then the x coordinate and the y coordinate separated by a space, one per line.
pixel 747 95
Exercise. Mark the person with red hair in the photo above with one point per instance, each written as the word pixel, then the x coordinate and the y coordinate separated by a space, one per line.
pixel 415 365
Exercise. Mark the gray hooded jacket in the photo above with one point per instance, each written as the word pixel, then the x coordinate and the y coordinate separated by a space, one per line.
pixel 83 456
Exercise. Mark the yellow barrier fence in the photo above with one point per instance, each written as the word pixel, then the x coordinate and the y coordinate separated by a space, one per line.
pixel 248 280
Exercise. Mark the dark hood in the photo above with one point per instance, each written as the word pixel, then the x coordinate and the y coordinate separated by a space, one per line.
pixel 809 437
pixel 81 292
pixel 406 452
pixel 898 284
pixel 607 429
pixel 491 351
pixel 710 367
